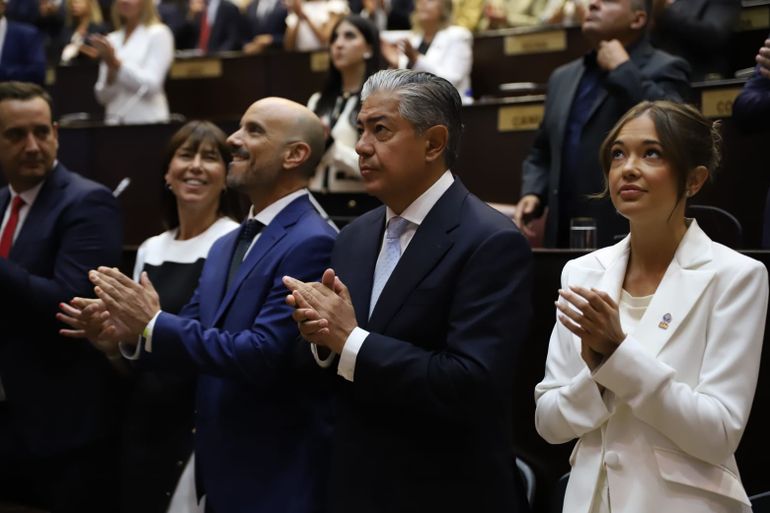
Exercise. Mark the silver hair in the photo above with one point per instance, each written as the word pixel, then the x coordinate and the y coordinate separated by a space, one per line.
pixel 425 100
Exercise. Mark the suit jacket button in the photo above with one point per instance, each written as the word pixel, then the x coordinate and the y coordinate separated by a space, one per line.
pixel 179 463
pixel 168 494
pixel 612 459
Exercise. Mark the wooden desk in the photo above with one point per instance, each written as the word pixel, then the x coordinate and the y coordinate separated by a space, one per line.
pixel 522 55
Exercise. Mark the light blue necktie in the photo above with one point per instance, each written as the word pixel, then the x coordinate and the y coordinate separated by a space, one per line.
pixel 388 257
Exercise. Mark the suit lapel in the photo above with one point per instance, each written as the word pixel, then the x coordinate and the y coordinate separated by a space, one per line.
pixel 268 238
pixel 430 243
pixel 363 255
pixel 682 285
pixel 566 100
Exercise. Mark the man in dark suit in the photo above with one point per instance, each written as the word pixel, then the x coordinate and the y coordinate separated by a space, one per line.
pixel 22 56
pixel 427 331
pixel 585 98
pixel 262 423
pixel 212 26
pixel 56 415
pixel 265 25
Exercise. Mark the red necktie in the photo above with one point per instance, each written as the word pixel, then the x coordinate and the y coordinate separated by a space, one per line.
pixel 6 240
pixel 203 39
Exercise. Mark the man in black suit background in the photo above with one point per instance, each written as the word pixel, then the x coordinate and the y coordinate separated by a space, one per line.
pixel 584 100
pixel 56 416
pixel 427 330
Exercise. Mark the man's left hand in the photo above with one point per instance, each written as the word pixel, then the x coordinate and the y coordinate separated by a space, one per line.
pixel 324 311
pixel 611 54
pixel 129 303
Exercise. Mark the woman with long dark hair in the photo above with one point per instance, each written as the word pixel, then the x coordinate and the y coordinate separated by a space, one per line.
pixel 355 55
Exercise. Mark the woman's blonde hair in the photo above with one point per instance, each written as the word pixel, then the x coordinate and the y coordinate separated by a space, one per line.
pixel 149 14
pixel 447 7
pixel 94 12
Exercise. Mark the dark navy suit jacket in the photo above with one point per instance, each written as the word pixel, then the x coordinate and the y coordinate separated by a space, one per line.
pixel 650 74
pixel 23 56
pixel 226 33
pixel 263 417
pixel 58 390
pixel 274 23
pixel 426 425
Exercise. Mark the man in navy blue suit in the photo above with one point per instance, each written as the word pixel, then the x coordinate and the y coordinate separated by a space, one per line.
pixel 56 416
pixel 22 56
pixel 262 423
pixel 427 329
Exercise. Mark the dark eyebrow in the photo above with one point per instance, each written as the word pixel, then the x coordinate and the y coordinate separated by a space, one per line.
pixel 372 119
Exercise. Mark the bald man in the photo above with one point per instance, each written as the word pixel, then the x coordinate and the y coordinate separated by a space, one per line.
pixel 262 420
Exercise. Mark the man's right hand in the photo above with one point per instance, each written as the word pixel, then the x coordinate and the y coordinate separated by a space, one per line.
pixel 525 211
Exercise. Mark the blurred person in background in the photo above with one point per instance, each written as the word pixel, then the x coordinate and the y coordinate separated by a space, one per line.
pixel 355 56
pixel 309 23
pixel 436 46
pixel 22 56
pixel 265 22
pixel 82 18
pixel 135 59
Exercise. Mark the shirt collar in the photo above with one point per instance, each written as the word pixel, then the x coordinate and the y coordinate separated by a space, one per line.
pixel 267 214
pixel 29 196
pixel 416 212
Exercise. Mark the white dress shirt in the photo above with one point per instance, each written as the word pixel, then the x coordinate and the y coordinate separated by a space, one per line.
pixel 415 213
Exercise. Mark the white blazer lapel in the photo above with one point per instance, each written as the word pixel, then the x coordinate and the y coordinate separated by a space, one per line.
pixel 681 287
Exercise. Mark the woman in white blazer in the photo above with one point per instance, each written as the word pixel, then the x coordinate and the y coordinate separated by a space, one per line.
pixel 436 46
pixel 653 362
pixel 135 60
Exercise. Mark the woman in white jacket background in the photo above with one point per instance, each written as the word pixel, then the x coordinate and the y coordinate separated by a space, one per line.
pixel 135 59
pixel 436 46
pixel 653 362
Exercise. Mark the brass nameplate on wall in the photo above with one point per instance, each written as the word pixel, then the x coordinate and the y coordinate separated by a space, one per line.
pixel 718 103
pixel 197 68
pixel 319 62
pixel 539 42
pixel 753 18
pixel 519 118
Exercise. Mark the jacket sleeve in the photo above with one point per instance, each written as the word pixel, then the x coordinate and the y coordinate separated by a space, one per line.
pixel 257 355
pixel 470 373
pixel 140 77
pixel 90 235
pixel 535 169
pixel 706 421
pixel 31 66
pixel 568 401
pixel 668 81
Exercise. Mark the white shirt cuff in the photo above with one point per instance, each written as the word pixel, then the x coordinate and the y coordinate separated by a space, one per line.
pixel 347 366
pixel 132 353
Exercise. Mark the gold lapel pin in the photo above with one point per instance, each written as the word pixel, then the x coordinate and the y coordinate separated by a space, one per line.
pixel 663 324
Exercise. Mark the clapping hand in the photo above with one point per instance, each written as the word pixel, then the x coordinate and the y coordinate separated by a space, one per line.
pixel 593 316
pixel 323 311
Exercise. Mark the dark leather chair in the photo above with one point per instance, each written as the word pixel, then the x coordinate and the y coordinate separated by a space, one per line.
pixel 718 224
pixel 557 498
pixel 760 503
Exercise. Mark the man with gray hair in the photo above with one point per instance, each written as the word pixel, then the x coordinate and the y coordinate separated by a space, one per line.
pixel 421 318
